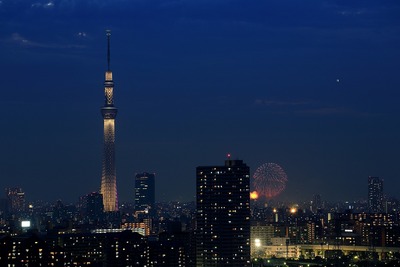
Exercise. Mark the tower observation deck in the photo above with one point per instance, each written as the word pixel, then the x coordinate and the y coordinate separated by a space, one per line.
pixel 109 112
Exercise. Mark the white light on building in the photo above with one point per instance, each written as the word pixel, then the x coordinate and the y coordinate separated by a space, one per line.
pixel 25 224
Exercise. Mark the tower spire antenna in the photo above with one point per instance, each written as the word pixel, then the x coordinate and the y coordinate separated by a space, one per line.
pixel 108 33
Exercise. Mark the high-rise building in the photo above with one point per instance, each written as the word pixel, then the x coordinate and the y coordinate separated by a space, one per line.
pixel 375 194
pixel 109 112
pixel 223 215
pixel 144 191
pixel 316 203
pixel 16 199
pixel 92 208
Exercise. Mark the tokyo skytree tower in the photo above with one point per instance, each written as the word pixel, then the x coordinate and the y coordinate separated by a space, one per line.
pixel 109 112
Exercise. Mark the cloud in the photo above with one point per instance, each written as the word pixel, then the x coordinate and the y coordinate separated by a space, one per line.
pixel 333 111
pixel 81 34
pixel 267 102
pixel 272 14
pixel 18 39
pixel 326 111
pixel 307 108
pixel 356 12
pixel 43 5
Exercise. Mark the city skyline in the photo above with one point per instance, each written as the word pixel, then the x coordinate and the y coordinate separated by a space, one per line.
pixel 310 86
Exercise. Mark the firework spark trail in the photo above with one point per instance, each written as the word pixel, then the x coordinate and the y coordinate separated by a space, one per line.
pixel 269 180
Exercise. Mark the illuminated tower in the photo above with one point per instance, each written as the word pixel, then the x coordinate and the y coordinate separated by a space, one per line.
pixel 109 112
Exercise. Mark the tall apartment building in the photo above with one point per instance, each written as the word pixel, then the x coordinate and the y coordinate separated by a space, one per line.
pixel 144 191
pixel 223 215
pixel 375 194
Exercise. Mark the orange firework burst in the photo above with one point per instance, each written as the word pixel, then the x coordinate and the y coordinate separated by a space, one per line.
pixel 269 180
pixel 254 195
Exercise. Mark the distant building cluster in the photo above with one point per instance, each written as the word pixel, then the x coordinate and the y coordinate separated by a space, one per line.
pixel 223 227
pixel 55 234
pixel 327 230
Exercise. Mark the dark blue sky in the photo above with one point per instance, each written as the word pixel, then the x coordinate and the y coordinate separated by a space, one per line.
pixel 311 85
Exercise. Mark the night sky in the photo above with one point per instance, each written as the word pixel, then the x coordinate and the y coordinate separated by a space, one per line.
pixel 312 85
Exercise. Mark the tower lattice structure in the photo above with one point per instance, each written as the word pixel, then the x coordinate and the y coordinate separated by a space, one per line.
pixel 109 112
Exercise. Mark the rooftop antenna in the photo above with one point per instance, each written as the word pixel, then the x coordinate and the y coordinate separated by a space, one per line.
pixel 108 33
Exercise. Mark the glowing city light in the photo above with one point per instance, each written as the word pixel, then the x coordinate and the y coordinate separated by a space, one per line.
pixel 253 195
pixel 25 224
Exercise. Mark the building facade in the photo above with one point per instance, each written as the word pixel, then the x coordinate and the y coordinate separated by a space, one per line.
pixel 261 235
pixel 281 247
pixel 375 194
pixel 223 215
pixel 109 112
pixel 144 191
pixel 16 199
pixel 92 209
